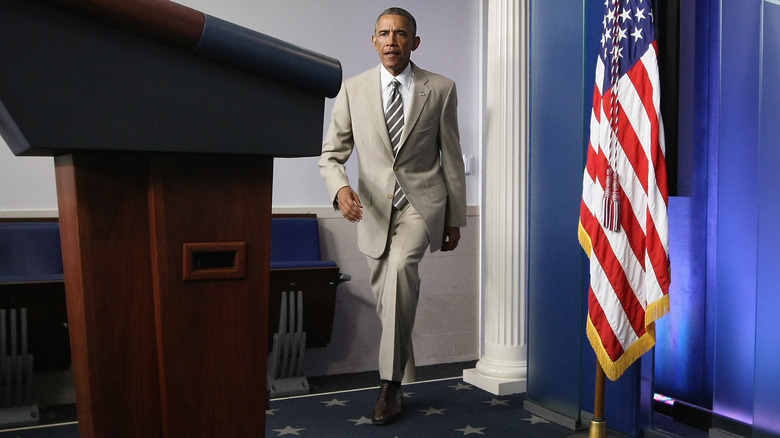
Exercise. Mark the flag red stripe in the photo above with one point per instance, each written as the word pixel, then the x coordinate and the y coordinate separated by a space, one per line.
pixel 632 148
pixel 610 264
pixel 609 341
pixel 658 258
pixel 633 228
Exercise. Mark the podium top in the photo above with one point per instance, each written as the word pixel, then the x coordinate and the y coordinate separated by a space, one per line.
pixel 154 76
pixel 215 39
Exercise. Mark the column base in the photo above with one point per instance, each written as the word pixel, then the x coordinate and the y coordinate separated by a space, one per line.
pixel 495 385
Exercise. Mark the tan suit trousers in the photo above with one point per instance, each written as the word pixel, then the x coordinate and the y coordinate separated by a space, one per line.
pixel 395 282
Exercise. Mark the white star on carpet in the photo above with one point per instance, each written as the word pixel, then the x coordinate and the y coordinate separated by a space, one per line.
pixel 362 420
pixel 534 419
pixel 288 431
pixel 497 402
pixel 271 411
pixel 468 430
pixel 335 402
pixel 460 386
pixel 433 411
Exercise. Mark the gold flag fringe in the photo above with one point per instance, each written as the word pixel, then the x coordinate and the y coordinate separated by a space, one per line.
pixel 585 241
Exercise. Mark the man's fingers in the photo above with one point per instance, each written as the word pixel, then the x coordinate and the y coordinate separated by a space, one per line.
pixel 349 205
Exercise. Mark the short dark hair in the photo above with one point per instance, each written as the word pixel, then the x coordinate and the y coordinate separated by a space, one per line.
pixel 402 12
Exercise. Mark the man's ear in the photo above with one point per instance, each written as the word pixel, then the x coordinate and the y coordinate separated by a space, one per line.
pixel 416 43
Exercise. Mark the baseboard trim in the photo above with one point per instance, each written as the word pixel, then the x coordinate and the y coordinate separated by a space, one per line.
pixel 555 417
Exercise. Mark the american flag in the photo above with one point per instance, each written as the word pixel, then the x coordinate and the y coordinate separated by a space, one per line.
pixel 624 225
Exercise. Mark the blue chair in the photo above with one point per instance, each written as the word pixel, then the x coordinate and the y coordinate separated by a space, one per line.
pixel 297 265
pixel 30 252
pixel 303 288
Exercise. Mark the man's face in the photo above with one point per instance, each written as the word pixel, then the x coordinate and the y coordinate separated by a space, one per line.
pixel 394 42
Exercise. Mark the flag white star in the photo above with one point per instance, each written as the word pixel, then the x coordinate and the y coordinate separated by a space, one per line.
pixel 433 411
pixel 626 15
pixel 335 402
pixel 408 394
pixel 637 34
pixel 619 52
pixel 621 34
pixel 460 386
pixel 361 420
pixel 497 402
pixel 534 419
pixel 271 411
pixel 288 431
pixel 468 430
pixel 640 14
pixel 611 15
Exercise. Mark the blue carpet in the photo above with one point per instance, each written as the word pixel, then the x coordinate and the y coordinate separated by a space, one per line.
pixel 443 408
pixel 440 408
pixel 70 430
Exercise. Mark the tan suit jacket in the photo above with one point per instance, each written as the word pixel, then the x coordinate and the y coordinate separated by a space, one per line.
pixel 429 165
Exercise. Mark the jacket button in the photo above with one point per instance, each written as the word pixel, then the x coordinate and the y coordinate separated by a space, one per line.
pixel 390 196
pixel 395 168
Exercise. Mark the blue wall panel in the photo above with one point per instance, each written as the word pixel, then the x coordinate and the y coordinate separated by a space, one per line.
pixel 766 421
pixel 556 164
pixel 683 367
pixel 737 210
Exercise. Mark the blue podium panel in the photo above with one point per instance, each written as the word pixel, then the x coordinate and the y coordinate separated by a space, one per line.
pixel 766 422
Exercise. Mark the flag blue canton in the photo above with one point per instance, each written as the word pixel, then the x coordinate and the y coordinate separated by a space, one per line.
pixel 635 32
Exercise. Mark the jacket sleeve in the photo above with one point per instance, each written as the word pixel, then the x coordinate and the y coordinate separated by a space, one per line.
pixel 338 145
pixel 452 161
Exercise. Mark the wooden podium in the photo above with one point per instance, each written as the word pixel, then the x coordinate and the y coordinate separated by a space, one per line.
pixel 163 123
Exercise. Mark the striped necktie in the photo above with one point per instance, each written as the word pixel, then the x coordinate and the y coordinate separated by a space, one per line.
pixel 395 126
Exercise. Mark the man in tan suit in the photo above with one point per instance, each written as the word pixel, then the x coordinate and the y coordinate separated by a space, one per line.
pixel 411 191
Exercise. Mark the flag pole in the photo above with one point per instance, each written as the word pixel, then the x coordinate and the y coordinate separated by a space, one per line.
pixel 598 425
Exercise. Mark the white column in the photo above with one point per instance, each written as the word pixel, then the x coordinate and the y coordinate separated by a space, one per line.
pixel 502 368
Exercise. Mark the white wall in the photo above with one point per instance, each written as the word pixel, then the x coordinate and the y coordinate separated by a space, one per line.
pixel 451 39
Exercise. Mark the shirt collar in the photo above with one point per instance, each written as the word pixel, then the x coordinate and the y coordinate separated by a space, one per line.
pixel 405 78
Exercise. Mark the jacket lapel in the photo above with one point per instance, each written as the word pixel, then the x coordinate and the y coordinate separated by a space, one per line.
pixel 420 93
pixel 377 112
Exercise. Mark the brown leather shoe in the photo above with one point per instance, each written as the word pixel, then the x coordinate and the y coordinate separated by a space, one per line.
pixel 389 404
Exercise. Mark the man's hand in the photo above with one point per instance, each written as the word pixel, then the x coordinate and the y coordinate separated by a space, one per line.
pixel 349 204
pixel 450 239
